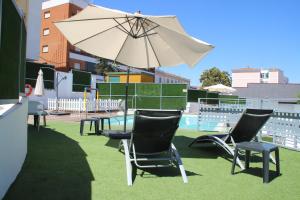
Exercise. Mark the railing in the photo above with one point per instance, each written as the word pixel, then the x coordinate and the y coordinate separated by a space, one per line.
pixel 283 128
pixel 79 105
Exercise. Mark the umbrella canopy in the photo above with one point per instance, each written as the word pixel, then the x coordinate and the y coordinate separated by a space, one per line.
pixel 136 40
pixel 220 88
pixel 39 86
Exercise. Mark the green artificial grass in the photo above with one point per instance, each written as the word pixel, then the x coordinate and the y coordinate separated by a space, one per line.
pixel 61 164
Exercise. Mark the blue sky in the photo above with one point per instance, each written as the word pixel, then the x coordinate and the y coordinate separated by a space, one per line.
pixel 254 33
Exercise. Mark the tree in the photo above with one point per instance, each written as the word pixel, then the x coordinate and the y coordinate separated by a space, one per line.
pixel 105 66
pixel 215 76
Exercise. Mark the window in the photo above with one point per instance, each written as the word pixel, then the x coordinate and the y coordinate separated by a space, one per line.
pixel 264 75
pixel 45 49
pixel 159 80
pixel 47 14
pixel 76 65
pixel 46 31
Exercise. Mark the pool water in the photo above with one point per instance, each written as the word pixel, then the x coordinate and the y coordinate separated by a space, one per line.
pixel 186 122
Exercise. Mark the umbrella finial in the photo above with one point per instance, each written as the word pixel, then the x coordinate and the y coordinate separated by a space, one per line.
pixel 138 12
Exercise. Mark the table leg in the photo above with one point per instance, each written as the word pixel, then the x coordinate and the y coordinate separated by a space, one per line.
pixel 38 123
pixel 35 120
pixel 81 127
pixel 102 125
pixel 247 159
pixel 277 161
pixel 266 155
pixel 91 124
pixel 96 127
pixel 45 123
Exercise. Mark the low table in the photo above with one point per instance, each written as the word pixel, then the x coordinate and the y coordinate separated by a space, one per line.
pixel 261 147
pixel 101 120
pixel 91 120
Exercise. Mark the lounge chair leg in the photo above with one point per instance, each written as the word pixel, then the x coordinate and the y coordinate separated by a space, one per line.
pixel 128 162
pixel 239 161
pixel 180 164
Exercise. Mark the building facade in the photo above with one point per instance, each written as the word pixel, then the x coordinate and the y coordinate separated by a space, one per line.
pixel 32 16
pixel 54 47
pixel 134 77
pixel 164 77
pixel 243 76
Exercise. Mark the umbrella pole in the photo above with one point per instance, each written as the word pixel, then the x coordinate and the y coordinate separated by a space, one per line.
pixel 126 98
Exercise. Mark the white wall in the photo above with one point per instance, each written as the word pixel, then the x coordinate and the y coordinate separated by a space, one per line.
pixel 33 19
pixel 65 89
pixel 13 143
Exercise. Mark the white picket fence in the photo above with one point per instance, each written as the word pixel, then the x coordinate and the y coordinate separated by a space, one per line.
pixel 78 105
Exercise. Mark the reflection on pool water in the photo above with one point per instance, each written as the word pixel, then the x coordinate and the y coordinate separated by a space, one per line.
pixel 186 122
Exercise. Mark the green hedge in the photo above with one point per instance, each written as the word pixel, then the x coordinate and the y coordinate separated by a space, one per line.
pixel 81 80
pixel 12 52
pixel 32 70
pixel 148 89
pixel 120 89
pixel 194 95
pixel 147 95
pixel 212 97
pixel 205 96
pixel 174 90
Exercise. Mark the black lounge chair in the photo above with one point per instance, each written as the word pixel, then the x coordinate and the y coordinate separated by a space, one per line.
pixel 246 129
pixel 151 142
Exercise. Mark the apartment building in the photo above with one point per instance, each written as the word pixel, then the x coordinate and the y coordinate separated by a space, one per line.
pixel 54 48
pixel 244 76
pixel 164 77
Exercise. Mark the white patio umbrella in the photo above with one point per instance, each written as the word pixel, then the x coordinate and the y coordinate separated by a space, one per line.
pixel 136 40
pixel 39 86
pixel 220 88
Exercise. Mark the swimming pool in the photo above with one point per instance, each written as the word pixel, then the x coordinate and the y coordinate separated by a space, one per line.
pixel 186 122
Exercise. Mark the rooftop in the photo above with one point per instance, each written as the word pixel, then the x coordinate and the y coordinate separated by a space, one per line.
pixel 250 69
pixel 60 164
pixel 170 74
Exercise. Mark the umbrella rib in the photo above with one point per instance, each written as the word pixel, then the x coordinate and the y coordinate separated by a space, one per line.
pixel 140 36
pixel 99 33
pixel 145 32
pixel 129 26
pixel 151 46
pixel 127 32
pixel 121 47
pixel 140 27
pixel 91 19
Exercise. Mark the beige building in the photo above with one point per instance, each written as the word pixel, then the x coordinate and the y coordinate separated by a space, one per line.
pixel 241 77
